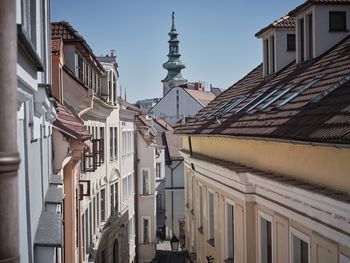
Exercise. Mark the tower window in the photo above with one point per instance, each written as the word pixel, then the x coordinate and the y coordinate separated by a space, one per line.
pixel 337 21
pixel 290 42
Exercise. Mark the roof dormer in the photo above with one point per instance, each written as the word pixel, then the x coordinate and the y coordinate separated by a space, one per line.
pixel 278 44
pixel 319 26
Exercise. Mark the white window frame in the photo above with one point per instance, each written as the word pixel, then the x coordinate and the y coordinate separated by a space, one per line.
pixel 149 229
pixel 149 180
pixel 232 203
pixel 211 235
pixel 293 232
pixel 266 217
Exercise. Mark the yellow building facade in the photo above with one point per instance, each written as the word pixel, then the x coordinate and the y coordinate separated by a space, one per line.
pixel 262 207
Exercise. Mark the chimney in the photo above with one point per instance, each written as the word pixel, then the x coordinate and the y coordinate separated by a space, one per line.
pixel 112 52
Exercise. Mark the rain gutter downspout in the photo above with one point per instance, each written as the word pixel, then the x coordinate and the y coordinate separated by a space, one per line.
pixel 9 156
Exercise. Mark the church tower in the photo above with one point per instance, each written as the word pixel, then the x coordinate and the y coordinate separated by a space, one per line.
pixel 174 64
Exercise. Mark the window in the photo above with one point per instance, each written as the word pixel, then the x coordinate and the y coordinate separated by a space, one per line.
pixel 230 230
pixel 145 182
pixel 111 143
pixel 116 198
pixel 337 21
pixel 301 32
pixel 310 37
pixel 146 231
pixel 125 188
pixel 272 41
pixel 211 217
pixel 300 246
pixel 78 63
pixel 266 57
pixel 98 209
pixel 86 233
pixel 115 142
pixel 103 201
pixel 90 223
pixel 112 199
pixel 94 219
pixel 265 237
pixel 201 208
pixel 290 42
pixel 158 170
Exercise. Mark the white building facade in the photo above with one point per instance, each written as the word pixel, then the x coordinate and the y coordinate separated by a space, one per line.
pixel 35 115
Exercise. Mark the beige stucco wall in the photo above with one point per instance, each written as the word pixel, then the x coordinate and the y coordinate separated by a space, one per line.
pixel 246 230
pixel 327 165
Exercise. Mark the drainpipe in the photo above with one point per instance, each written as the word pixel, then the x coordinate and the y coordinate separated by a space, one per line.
pixel 9 157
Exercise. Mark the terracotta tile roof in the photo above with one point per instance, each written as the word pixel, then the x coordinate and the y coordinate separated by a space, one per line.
pixel 309 3
pixel 164 124
pixel 318 189
pixel 283 22
pixel 56 45
pixel 318 110
pixel 145 129
pixel 173 143
pixel 70 124
pixel 68 34
pixel 202 97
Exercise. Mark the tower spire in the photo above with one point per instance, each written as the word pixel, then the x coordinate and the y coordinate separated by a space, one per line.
pixel 173 22
pixel 174 64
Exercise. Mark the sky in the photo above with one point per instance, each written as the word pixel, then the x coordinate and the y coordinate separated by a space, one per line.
pixel 217 37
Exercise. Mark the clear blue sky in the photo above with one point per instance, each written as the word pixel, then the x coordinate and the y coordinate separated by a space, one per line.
pixel 217 39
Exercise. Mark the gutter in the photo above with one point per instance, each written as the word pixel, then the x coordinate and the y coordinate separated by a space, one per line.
pixel 321 144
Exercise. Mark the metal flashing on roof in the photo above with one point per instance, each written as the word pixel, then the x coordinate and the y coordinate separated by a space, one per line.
pixel 295 94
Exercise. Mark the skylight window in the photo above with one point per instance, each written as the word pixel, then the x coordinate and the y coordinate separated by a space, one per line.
pixel 250 102
pixel 262 100
pixel 281 94
pixel 233 105
pixel 301 90
pixel 218 108
pixel 331 89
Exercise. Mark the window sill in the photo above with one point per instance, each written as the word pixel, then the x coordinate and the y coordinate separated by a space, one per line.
pixel 211 242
